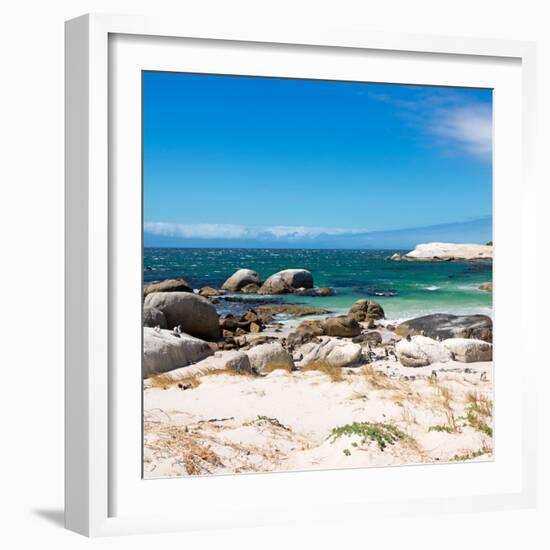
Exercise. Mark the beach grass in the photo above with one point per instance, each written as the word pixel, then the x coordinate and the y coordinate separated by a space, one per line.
pixel 378 380
pixel 165 381
pixel 334 373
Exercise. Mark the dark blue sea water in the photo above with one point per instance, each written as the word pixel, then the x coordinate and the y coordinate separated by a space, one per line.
pixel 419 287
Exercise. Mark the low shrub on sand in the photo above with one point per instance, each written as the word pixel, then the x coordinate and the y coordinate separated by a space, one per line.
pixel 472 454
pixel 382 433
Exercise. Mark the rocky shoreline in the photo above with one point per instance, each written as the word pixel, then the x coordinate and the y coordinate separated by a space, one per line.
pixel 190 350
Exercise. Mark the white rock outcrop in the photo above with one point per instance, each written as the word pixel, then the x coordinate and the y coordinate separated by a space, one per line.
pixel 337 353
pixel 469 350
pixel 421 351
pixel 448 251
pixel 165 351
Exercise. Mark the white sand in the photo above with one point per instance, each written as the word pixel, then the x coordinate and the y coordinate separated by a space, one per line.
pixel 231 423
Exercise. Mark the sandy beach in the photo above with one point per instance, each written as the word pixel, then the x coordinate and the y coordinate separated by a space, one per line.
pixel 232 423
pixel 313 391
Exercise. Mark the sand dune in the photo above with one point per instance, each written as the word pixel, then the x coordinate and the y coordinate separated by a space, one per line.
pixel 229 423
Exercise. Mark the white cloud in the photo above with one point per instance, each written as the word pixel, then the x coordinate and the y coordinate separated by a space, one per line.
pixel 450 116
pixel 199 230
pixel 235 231
pixel 471 127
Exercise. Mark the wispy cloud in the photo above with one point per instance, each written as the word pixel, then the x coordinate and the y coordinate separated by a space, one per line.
pixel 470 127
pixel 235 231
pixel 455 120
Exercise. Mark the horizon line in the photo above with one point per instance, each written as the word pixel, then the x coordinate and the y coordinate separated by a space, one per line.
pixel 295 248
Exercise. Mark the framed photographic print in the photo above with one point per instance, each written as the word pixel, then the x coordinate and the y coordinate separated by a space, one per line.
pixel 290 268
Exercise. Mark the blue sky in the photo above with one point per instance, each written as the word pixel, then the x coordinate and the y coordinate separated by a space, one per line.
pixel 244 161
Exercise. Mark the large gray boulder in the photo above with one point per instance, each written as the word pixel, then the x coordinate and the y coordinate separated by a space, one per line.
pixel 168 285
pixel 194 314
pixel 153 317
pixel 268 357
pixel 337 353
pixel 365 310
pixel 240 363
pixel 442 326
pixel 287 281
pixel 343 326
pixel 164 351
pixel 240 279
pixel 421 351
pixel 469 350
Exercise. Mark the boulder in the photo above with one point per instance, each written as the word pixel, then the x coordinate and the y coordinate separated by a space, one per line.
pixel 344 326
pixel 239 362
pixel 241 278
pixel 337 353
pixel 287 281
pixel 323 291
pixel 207 291
pixel 442 326
pixel 300 337
pixel 469 350
pixel 249 321
pixel 250 315
pixel 421 351
pixel 252 340
pixel 373 337
pixel 312 326
pixel 164 350
pixel 169 285
pixel 275 285
pixel 365 310
pixel 194 314
pixel 251 288
pixel 229 322
pixel 268 357
pixel 153 317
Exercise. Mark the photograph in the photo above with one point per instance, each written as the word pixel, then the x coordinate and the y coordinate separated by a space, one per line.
pixel 317 274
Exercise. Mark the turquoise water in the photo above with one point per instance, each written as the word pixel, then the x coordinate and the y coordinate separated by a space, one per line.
pixel 420 287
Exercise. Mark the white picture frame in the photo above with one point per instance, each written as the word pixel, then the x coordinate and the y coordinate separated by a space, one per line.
pixel 93 397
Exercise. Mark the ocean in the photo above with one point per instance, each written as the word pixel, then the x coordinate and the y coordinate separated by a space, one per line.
pixel 404 289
